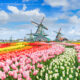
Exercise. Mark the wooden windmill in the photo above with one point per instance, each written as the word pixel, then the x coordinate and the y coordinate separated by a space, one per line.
pixel 59 36
pixel 11 39
pixel 40 34
pixel 31 39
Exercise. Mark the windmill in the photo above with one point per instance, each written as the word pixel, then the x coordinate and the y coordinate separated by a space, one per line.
pixel 59 36
pixel 10 40
pixel 30 37
pixel 40 34
pixel 25 39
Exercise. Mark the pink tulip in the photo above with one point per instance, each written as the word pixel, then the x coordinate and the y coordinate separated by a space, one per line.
pixel 15 75
pixel 78 67
pixel 20 70
pixel 33 67
pixel 8 62
pixel 19 76
pixel 20 79
pixel 6 68
pixel 10 73
pixel 13 66
pixel 1 64
pixel 25 74
pixel 2 75
pixel 35 72
pixel 39 65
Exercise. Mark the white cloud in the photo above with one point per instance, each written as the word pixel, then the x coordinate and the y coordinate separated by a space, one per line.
pixel 75 20
pixel 22 15
pixel 71 32
pixel 72 5
pixel 16 34
pixel 56 3
pixel 13 9
pixel 66 4
pixel 3 17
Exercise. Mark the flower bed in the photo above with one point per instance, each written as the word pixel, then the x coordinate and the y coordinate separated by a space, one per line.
pixel 41 61
pixel 14 47
pixel 27 50
pixel 63 67
pixel 25 66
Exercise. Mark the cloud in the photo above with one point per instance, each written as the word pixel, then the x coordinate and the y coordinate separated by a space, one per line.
pixel 22 15
pixel 65 4
pixel 15 33
pixel 17 15
pixel 56 3
pixel 13 9
pixel 3 17
pixel 75 19
pixel 71 32
pixel 72 5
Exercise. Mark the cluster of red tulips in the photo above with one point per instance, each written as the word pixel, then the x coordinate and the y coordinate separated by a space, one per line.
pixel 3 45
pixel 38 44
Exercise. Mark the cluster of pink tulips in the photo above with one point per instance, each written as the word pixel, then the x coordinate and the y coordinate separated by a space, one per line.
pixel 78 54
pixel 68 44
pixel 27 66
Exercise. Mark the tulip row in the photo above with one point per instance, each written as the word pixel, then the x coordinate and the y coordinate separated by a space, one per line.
pixel 27 66
pixel 3 45
pixel 22 51
pixel 7 47
pixel 38 44
pixel 14 47
pixel 63 67
pixel 77 47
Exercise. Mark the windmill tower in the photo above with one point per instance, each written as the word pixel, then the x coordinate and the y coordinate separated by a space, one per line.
pixel 31 39
pixel 10 40
pixel 25 39
pixel 59 36
pixel 40 34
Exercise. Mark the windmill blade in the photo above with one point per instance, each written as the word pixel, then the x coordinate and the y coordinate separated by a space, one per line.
pixel 44 27
pixel 55 31
pixel 62 34
pixel 31 31
pixel 34 23
pixel 60 30
pixel 28 34
pixel 42 20
pixel 35 34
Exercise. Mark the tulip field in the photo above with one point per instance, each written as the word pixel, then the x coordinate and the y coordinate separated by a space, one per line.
pixel 39 61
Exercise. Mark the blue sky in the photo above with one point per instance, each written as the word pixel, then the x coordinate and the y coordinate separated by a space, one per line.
pixel 16 16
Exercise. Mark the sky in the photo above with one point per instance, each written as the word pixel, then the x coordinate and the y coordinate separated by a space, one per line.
pixel 16 17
